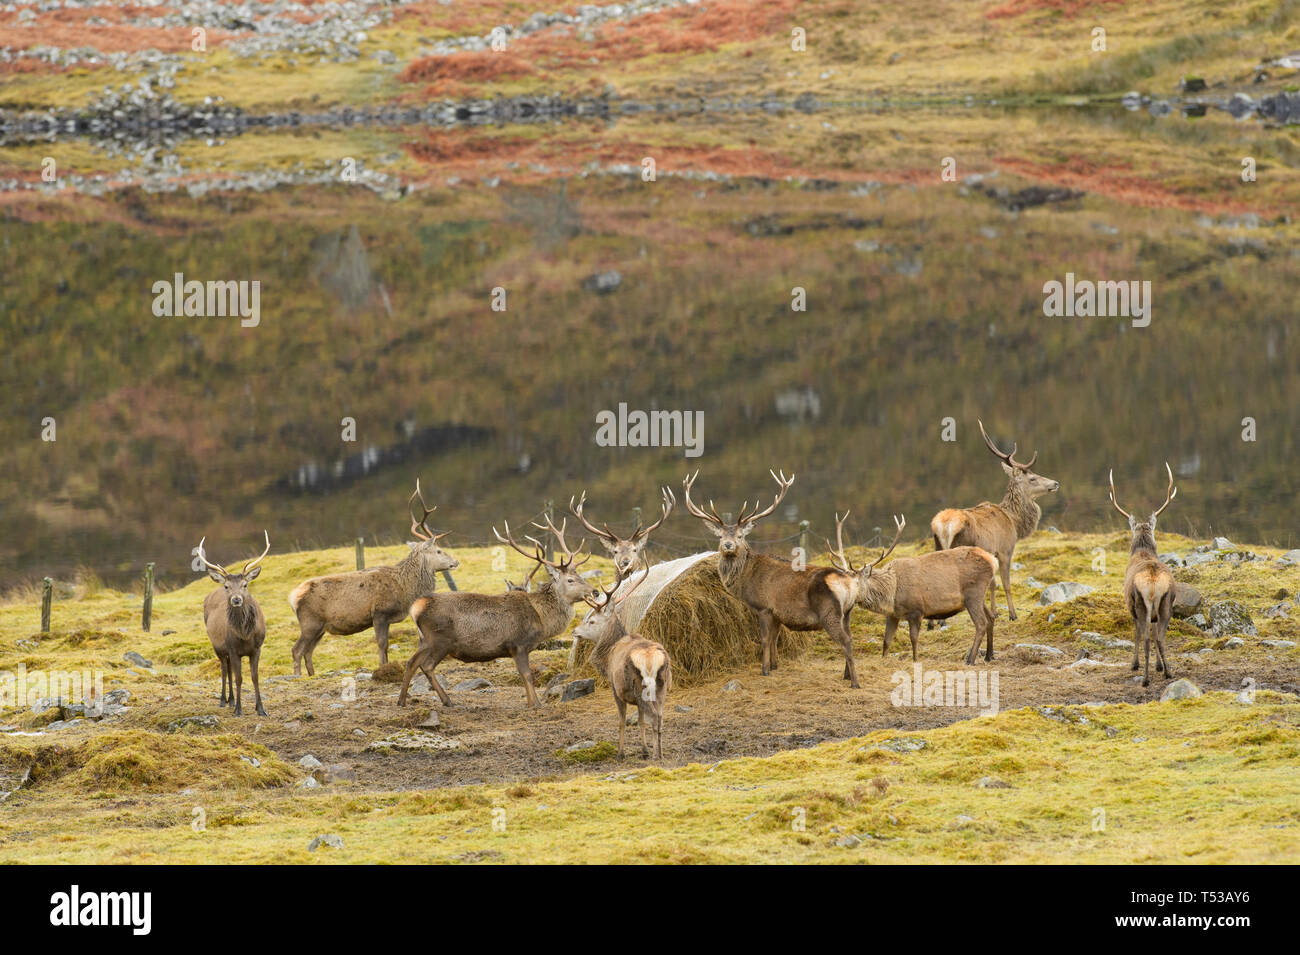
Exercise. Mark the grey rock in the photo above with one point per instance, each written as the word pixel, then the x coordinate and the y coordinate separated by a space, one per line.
pixel 1234 643
pixel 1187 599
pixel 478 683
pixel 205 721
pixel 1290 557
pixel 1277 610
pixel 1039 653
pixel 1065 590
pixel 1183 689
pixel 1278 644
pixel 432 721
pixel 1193 560
pixel 990 782
pixel 311 782
pixel 330 839
pixel 731 686
pixel 1199 621
pixel 1222 543
pixel 603 282
pixel 580 746
pixel 134 658
pixel 682 708
pixel 1110 643
pixel 338 773
pixel 577 688
pixel 1228 616
pixel 309 762
pixel 901 744
pixel 1173 560
pixel 847 842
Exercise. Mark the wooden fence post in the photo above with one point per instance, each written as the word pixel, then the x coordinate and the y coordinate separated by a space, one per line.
pixel 803 539
pixel 361 553
pixel 550 538
pixel 146 613
pixel 47 596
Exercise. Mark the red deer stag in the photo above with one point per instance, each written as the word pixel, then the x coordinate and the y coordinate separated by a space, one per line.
pixel 625 551
pixel 997 527
pixel 1148 584
pixel 637 669
pixel 236 627
pixel 378 597
pixel 932 586
pixel 819 598
pixel 473 628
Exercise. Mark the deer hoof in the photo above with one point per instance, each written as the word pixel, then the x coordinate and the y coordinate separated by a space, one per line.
pixel 238 711
pixel 261 711
pixel 1146 682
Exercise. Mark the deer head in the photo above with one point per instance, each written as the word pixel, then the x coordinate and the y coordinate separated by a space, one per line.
pixel 731 537
pixel 426 546
pixel 565 580
pixel 235 585
pixel 1022 476
pixel 1144 531
pixel 625 551
pixel 600 620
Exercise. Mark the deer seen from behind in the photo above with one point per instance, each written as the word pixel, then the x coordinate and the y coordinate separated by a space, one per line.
pixel 474 628
pixel 236 627
pixel 638 670
pixel 378 597
pixel 818 598
pixel 997 527
pixel 1148 584
pixel 931 586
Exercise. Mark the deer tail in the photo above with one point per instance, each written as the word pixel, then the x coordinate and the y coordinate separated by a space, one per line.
pixel 945 526
pixel 296 595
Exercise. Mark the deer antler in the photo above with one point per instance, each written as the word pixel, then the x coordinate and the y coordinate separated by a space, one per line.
pixel 900 522
pixel 1169 494
pixel 539 555
pixel 669 501
pixel 558 533
pixel 207 563
pixel 757 516
pixel 608 537
pixel 253 563
pixel 839 559
pixel 1009 458
pixel 418 527
pixel 1126 514
pixel 710 518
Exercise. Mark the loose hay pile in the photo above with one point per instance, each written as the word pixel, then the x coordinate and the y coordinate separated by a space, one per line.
pixel 706 631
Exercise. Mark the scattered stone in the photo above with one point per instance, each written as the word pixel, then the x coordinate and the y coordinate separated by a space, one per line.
pixel 1187 599
pixel 1277 610
pixel 1038 653
pixel 205 721
pixel 134 658
pixel 990 782
pixel 478 683
pixel 1192 84
pixel 1109 643
pixel 1222 543
pixel 337 773
pixel 430 722
pixel 1233 643
pixel 1198 620
pixel 330 839
pixel 1290 557
pixel 603 282
pixel 311 782
pixel 731 686
pixel 711 747
pixel 1278 644
pixel 900 744
pixel 580 746
pixel 1065 590
pixel 682 708
pixel 574 689
pixel 1228 617
pixel 359 732
pixel 413 740
pixel 1183 689
pixel 309 762
pixel 1173 560
pixel 252 761
pixel 847 842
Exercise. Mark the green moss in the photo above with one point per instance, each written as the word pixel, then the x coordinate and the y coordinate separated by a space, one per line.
pixel 591 754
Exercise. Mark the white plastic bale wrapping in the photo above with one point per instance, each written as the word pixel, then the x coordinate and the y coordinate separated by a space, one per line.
pixel 631 610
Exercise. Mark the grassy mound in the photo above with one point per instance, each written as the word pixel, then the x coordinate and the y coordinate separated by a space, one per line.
pixel 137 760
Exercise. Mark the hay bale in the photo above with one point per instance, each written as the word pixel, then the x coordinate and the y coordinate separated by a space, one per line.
pixel 706 631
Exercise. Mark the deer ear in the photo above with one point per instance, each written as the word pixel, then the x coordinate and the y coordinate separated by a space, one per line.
pixel 216 576
pixel 1008 468
pixel 252 574
pixel 413 544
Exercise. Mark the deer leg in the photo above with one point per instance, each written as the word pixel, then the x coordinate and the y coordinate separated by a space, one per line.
pixel 833 624
pixel 1146 642
pixel 891 624
pixel 237 665
pixel 309 647
pixel 659 731
pixel 914 631
pixel 423 658
pixel 1162 628
pixel 525 674
pixel 1005 568
pixel 764 622
pixel 988 649
pixel 622 721
pixel 641 722
pixel 257 689
pixel 381 638
pixel 977 618
pixel 225 676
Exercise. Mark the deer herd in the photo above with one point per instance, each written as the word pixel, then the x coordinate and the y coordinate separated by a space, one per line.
pixel 972 546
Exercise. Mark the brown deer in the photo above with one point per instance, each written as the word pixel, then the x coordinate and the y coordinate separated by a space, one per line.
pixel 638 670
pixel 932 586
pixel 378 597
pixel 527 585
pixel 1148 584
pixel 997 527
pixel 473 628
pixel 236 627
pixel 819 598
pixel 625 551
